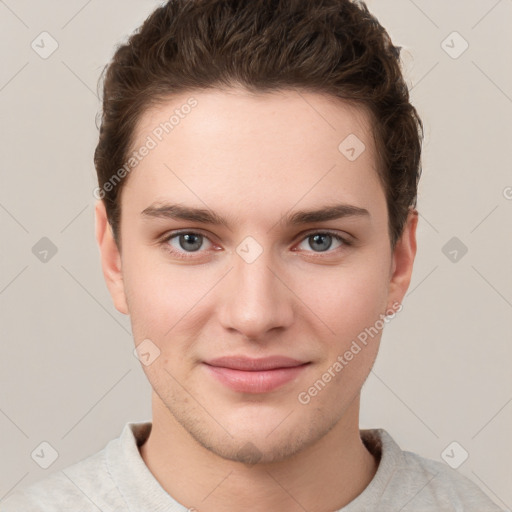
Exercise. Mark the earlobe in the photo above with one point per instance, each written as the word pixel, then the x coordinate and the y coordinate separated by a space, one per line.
pixel 110 259
pixel 403 260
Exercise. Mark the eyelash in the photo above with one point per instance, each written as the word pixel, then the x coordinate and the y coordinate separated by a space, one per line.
pixel 190 255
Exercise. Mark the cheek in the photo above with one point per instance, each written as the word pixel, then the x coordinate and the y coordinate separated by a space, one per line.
pixel 167 301
pixel 347 298
pixel 154 293
pixel 352 309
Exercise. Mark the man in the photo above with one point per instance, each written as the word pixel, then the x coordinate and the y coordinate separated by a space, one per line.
pixel 257 165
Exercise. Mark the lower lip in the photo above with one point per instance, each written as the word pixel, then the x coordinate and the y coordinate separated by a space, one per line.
pixel 255 381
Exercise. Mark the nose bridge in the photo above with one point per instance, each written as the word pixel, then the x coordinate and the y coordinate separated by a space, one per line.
pixel 256 301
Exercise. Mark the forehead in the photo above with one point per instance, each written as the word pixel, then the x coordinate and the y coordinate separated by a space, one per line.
pixel 254 149
pixel 291 113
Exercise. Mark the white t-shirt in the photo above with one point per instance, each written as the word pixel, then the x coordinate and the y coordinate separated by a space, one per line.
pixel 116 479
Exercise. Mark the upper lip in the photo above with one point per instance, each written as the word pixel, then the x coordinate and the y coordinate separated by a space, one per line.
pixel 250 364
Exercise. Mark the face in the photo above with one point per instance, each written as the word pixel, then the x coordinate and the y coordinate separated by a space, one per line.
pixel 253 310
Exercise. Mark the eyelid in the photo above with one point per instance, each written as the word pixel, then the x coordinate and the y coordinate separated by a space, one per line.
pixel 345 237
pixel 194 231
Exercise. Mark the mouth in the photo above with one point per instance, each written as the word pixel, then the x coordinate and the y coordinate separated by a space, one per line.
pixel 246 375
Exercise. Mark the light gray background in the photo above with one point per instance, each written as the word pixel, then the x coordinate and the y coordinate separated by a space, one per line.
pixel 68 375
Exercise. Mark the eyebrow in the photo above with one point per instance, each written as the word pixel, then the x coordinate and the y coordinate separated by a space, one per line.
pixel 205 216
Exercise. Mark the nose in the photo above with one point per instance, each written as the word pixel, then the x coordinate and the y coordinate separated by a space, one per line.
pixel 255 298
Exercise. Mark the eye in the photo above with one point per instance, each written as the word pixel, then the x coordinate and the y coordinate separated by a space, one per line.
pixel 181 243
pixel 321 241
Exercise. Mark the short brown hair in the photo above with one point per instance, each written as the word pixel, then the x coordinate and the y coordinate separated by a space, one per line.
pixel 334 47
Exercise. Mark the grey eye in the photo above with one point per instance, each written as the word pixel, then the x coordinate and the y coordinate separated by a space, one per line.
pixel 320 241
pixel 190 241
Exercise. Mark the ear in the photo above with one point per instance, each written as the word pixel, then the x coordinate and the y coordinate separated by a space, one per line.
pixel 110 259
pixel 403 260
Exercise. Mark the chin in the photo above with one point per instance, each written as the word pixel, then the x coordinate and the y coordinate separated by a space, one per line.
pixel 263 441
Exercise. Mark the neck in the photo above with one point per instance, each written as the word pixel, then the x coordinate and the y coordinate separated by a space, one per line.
pixel 323 477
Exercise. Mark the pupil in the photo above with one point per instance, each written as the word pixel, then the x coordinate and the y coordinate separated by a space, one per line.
pixel 323 238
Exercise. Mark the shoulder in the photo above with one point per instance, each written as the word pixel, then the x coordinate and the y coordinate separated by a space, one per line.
pixel 82 487
pixel 409 482
pixel 437 484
